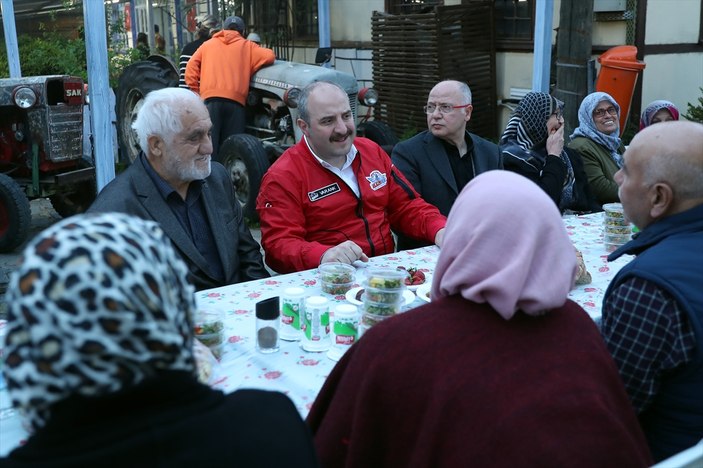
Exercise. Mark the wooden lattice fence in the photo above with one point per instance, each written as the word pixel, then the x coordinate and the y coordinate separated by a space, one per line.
pixel 411 53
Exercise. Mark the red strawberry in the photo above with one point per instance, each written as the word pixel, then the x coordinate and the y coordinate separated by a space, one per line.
pixel 416 276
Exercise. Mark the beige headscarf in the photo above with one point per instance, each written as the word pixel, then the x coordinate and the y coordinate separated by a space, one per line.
pixel 506 245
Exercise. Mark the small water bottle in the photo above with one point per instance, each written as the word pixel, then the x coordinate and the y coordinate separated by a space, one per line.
pixel 293 304
pixel 316 324
pixel 345 330
pixel 267 319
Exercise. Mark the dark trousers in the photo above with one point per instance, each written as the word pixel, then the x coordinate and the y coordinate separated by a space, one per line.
pixel 228 118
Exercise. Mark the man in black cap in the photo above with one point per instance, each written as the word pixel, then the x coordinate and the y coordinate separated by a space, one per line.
pixel 220 71
pixel 205 24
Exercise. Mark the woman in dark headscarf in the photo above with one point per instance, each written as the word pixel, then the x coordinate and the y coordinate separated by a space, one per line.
pixel 500 369
pixel 99 359
pixel 658 111
pixel 597 140
pixel 533 145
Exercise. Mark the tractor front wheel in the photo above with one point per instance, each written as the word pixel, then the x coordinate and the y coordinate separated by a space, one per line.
pixel 15 215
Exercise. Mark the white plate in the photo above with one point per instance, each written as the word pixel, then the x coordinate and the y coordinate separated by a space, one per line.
pixel 423 291
pixel 413 287
pixel 351 296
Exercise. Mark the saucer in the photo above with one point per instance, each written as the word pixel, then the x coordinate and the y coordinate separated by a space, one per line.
pixel 408 296
pixel 423 292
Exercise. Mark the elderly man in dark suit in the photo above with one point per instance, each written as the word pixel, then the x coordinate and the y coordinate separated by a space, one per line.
pixel 174 183
pixel 440 161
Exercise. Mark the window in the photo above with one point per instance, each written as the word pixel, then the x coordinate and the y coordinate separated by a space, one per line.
pixel 305 18
pixel 514 20
pixel 400 7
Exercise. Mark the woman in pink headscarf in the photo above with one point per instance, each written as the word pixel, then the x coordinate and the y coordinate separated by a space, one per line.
pixel 499 370
pixel 658 111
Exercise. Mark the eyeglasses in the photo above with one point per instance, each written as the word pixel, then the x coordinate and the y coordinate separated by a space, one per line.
pixel 443 108
pixel 557 113
pixel 601 112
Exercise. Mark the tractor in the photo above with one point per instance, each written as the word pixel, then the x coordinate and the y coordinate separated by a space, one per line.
pixel 42 151
pixel 271 111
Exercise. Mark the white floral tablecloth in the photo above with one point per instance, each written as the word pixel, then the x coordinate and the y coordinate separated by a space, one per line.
pixel 300 374
pixel 586 232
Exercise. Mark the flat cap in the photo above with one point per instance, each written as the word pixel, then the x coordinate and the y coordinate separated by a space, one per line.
pixel 235 23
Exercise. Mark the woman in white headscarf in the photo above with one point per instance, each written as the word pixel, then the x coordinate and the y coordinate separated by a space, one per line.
pixel 597 139
pixel 99 359
pixel 499 370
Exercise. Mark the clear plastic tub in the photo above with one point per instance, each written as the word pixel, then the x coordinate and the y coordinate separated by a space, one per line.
pixel 209 330
pixel 617 238
pixel 382 309
pixel 383 296
pixel 386 278
pixel 614 210
pixel 336 278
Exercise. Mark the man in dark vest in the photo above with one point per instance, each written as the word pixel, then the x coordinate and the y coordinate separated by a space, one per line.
pixel 653 309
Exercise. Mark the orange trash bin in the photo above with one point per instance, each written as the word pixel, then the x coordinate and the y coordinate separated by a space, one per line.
pixel 618 76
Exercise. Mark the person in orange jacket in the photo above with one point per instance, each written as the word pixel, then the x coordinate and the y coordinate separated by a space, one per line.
pixel 220 71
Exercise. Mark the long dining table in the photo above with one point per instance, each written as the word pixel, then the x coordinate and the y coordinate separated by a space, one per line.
pixel 300 374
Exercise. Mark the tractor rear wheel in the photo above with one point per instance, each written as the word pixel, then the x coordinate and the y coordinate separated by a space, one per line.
pixel 15 215
pixel 380 133
pixel 135 83
pixel 245 159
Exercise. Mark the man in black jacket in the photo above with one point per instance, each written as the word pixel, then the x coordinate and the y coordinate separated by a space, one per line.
pixel 174 183
pixel 440 161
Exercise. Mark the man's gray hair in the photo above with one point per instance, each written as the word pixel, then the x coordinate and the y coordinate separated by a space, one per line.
pixel 161 114
pixel 463 89
pixel 304 114
pixel 683 176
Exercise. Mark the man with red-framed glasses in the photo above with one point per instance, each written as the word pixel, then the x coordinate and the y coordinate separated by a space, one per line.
pixel 440 161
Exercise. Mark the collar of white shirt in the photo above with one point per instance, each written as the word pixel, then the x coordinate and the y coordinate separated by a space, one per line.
pixel 346 173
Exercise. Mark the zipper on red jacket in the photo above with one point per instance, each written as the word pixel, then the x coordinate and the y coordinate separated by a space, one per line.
pixel 360 214
pixel 359 205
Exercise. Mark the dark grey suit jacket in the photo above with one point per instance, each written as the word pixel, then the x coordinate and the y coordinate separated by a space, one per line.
pixel 424 162
pixel 133 192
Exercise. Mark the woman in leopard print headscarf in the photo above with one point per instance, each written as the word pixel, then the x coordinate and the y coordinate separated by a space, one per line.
pixel 533 145
pixel 99 304
pixel 98 356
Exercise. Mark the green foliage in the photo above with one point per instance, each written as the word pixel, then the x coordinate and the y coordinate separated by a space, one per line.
pixel 54 54
pixel 409 132
pixel 695 113
pixel 50 54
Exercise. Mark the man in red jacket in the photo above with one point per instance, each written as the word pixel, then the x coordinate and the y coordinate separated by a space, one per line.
pixel 334 198
pixel 220 71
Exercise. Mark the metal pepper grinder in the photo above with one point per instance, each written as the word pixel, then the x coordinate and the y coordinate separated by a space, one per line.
pixel 267 323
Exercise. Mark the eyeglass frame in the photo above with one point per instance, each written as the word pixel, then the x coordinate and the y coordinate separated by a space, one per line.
pixel 558 113
pixel 448 108
pixel 602 112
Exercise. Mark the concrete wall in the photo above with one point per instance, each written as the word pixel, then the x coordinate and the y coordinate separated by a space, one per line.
pixel 667 24
pixel 350 20
pixel 676 77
